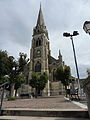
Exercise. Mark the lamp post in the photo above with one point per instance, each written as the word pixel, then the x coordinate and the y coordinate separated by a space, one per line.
pixel 75 33
pixel 86 27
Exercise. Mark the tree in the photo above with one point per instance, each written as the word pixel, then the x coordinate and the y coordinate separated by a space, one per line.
pixel 4 66
pixel 22 61
pixel 42 81
pixel 23 65
pixel 12 70
pixel 63 74
pixel 88 72
pixel 3 79
pixel 20 80
pixel 17 74
pixel 38 82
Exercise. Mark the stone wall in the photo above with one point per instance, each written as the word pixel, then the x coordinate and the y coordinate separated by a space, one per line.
pixel 56 88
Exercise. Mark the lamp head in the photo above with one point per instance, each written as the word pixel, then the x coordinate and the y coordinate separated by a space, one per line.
pixel 75 33
pixel 66 34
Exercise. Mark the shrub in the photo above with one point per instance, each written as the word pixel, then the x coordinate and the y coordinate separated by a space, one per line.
pixel 11 98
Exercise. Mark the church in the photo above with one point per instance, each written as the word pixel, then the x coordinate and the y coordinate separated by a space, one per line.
pixel 40 57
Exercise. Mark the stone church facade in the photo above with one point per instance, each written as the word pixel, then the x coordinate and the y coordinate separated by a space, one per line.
pixel 40 57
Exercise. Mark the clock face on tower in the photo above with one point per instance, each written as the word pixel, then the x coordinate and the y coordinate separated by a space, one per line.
pixel 38 53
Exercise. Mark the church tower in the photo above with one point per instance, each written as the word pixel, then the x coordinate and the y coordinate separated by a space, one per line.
pixel 40 57
pixel 40 47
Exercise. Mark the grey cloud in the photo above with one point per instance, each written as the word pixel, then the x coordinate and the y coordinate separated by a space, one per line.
pixel 82 70
pixel 18 17
pixel 65 14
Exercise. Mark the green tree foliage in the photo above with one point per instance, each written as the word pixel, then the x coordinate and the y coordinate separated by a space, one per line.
pixel 3 79
pixel 11 70
pixel 5 66
pixel 88 72
pixel 20 80
pixel 63 74
pixel 23 66
pixel 38 81
pixel 4 63
pixel 42 81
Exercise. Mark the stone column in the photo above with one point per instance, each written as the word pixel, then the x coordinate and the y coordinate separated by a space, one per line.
pixel 48 88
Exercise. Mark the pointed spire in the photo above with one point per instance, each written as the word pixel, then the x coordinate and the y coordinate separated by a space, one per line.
pixel 40 4
pixel 60 56
pixel 40 20
pixel 59 53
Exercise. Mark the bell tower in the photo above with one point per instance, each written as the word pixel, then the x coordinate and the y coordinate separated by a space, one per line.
pixel 40 47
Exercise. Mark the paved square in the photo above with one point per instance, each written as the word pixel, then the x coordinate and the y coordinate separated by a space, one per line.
pixel 53 102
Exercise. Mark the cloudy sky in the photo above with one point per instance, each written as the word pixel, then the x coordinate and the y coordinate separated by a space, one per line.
pixel 18 17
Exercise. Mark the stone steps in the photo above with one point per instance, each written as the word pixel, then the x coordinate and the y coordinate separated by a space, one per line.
pixel 38 118
pixel 66 113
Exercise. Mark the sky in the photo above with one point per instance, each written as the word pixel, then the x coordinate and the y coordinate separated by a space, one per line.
pixel 19 17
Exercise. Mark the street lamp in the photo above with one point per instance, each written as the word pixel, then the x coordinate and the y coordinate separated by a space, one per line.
pixel 86 27
pixel 75 33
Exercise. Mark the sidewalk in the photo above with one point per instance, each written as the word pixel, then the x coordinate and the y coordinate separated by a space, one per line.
pixel 53 102
pixel 53 105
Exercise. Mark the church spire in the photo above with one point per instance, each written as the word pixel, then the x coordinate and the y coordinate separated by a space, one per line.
pixel 40 26
pixel 60 56
pixel 40 20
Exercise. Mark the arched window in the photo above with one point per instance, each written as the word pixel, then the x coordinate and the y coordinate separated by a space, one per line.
pixel 37 43
pixel 38 67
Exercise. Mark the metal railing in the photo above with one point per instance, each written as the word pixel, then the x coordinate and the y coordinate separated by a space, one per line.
pixel 2 95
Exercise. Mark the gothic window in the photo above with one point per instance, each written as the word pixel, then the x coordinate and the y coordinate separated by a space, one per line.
pixel 38 67
pixel 37 43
